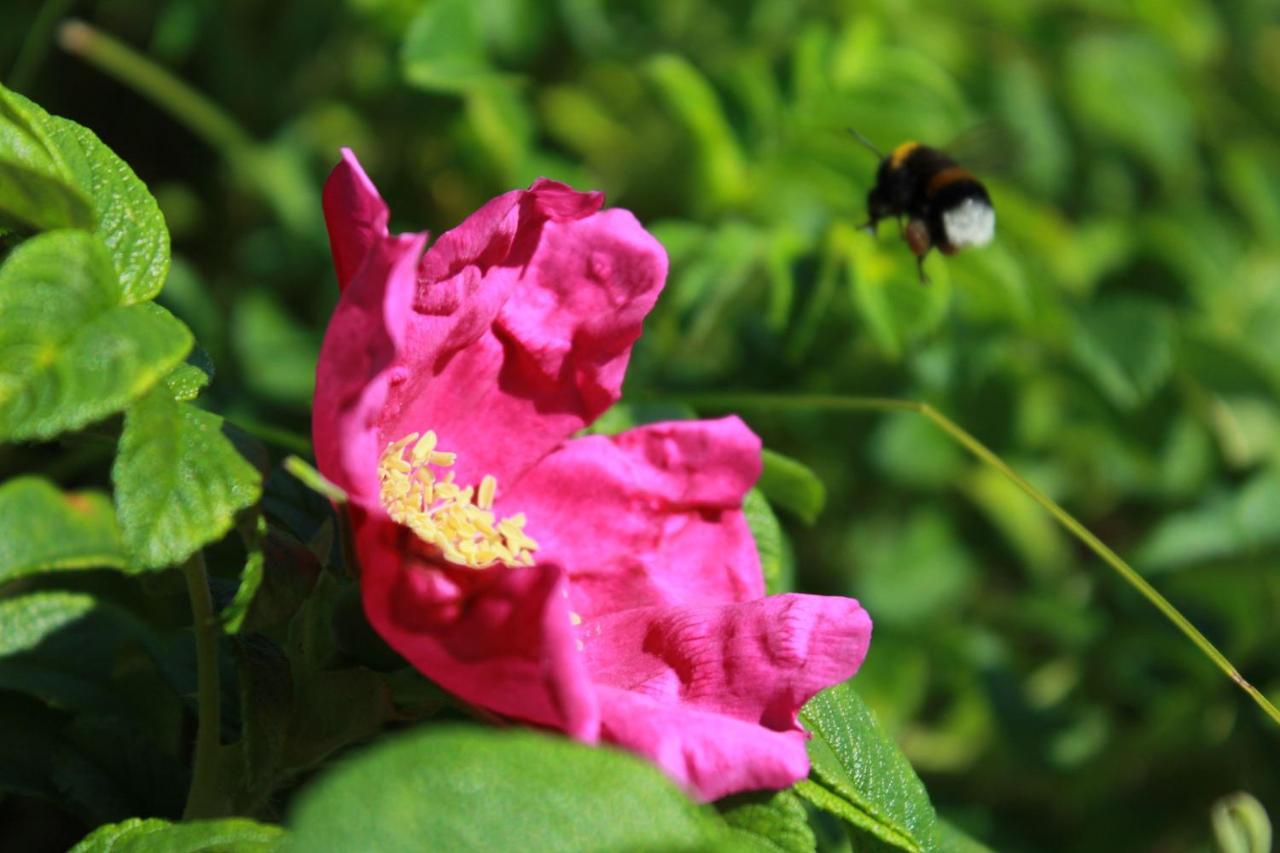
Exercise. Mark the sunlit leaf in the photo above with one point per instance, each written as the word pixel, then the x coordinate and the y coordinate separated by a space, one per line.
pixel 555 795
pixel 178 480
pixel 124 214
pixel 861 776
pixel 773 821
pixel 70 352
pixel 153 835
pixel 44 529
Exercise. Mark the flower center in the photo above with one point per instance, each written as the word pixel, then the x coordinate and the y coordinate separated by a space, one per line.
pixel 458 520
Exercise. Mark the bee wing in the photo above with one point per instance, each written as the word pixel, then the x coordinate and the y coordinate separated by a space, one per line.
pixel 987 148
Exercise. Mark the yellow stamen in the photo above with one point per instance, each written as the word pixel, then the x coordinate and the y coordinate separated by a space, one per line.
pixel 455 519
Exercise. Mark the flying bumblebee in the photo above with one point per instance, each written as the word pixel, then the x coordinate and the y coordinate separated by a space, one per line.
pixel 945 205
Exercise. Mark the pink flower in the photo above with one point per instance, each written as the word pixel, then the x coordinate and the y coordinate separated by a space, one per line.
pixel 604 586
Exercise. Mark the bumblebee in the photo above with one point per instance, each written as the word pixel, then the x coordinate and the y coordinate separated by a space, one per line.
pixel 945 205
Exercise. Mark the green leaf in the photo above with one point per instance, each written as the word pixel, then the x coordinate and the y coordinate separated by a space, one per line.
pixel 769 821
pixel 443 50
pixel 36 187
pixel 186 381
pixel 152 835
pixel 545 792
pixel 127 218
pixel 179 481
pixel 776 560
pixel 62 647
pixel 70 353
pixel 1241 825
pixel 952 839
pixel 276 353
pixel 861 776
pixel 792 485
pixel 721 167
pixel 1126 345
pixel 44 529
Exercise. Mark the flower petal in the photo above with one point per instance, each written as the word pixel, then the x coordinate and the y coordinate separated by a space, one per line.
pixel 712 693
pixel 710 755
pixel 354 371
pixel 355 215
pixel 513 332
pixel 500 638
pixel 652 516
pixel 757 661
pixel 524 328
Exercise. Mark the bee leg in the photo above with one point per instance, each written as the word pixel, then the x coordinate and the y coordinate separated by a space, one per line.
pixel 870 226
pixel 924 278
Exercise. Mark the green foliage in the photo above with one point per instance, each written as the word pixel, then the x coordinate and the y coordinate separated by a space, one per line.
pixel 792 486
pixel 554 795
pixel 44 529
pixel 94 190
pixel 179 481
pixel 1115 344
pixel 152 835
pixel 862 777
pixel 1241 825
pixel 773 821
pixel 71 350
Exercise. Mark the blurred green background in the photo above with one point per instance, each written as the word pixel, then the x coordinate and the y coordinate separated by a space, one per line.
pixel 1119 343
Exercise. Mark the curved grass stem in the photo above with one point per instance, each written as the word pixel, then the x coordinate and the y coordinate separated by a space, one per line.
pixel 834 402
pixel 202 796
pixel 193 110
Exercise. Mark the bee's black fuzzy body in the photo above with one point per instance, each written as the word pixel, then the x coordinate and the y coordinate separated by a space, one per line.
pixel 944 204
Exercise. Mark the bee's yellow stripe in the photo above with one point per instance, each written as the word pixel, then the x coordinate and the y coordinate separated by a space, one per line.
pixel 946 177
pixel 902 152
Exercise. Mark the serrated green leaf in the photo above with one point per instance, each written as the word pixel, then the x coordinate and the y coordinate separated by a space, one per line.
pixel 179 481
pixel 44 529
pixel 776 560
pixel 791 485
pixel 124 214
pixel 773 821
pixel 153 835
pixel 554 794
pixel 36 186
pixel 1126 345
pixel 70 353
pixel 186 381
pixel 861 776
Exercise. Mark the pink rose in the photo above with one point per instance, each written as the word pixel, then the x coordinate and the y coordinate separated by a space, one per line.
pixel 604 586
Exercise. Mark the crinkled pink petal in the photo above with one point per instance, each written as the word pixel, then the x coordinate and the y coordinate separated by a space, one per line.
pixel 750 665
pixel 500 638
pixel 708 754
pixel 515 334
pixel 562 309
pixel 652 516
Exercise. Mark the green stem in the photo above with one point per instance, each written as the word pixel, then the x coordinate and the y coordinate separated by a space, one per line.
pixel 203 794
pixel 35 45
pixel 831 402
pixel 192 109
